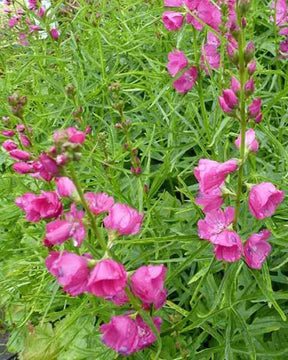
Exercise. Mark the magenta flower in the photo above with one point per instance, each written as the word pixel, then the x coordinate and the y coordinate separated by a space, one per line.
pixel 48 164
pixel 126 336
pixel 59 231
pixel 256 249
pixel 186 81
pixel 252 67
pixel 70 134
pixel 44 206
pixel 235 85
pixel 210 56
pixel 263 200
pixel 172 20
pixel 147 283
pixel 23 168
pixel 215 226
pixel 54 34
pixel 229 253
pixel 251 142
pixel 99 203
pixel 19 155
pixel 177 62
pixel 119 299
pixel 249 87
pixel 8 133
pixel 108 278
pixel 9 145
pixel 211 174
pixel 228 101
pixel 13 21
pixel 25 140
pixel 211 200
pixel 173 3
pixel 65 187
pixel 71 270
pixel 280 7
pixel 123 219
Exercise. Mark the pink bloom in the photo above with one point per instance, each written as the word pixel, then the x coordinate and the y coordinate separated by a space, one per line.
pixel 54 34
pixel 205 11
pixel 215 227
pixel 173 3
pixel 88 130
pixel 65 187
pixel 48 164
pixel 186 81
pixel 263 200
pixel 252 67
pixel 124 219
pixel 210 56
pixel 20 127
pixel 9 145
pixel 20 12
pixel 172 20
pixel 59 231
pixel 249 87
pixel 99 203
pixel 13 21
pixel 280 7
pixel 177 62
pixel 70 134
pixel 119 299
pixel 284 46
pixel 210 200
pixel 229 253
pixel 107 278
pixel 20 155
pixel 41 12
pixel 258 118
pixel 256 249
pixel 213 39
pixel 47 205
pixel 33 28
pixel 229 101
pixel 147 283
pixel 255 108
pixel 235 84
pixel 250 141
pixel 32 4
pixel 8 133
pixel 23 167
pixel 126 335
pixel 71 270
pixel 211 174
pixel 25 140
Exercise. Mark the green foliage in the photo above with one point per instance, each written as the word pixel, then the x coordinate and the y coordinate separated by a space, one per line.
pixel 215 311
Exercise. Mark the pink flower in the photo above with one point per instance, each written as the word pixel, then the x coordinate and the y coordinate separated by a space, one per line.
pixel 215 227
pixel 126 335
pixel 48 164
pixel 235 85
pixel 25 140
pixel 71 270
pixel 71 134
pixel 45 206
pixel 211 174
pixel 186 81
pixel 99 203
pixel 123 219
pixel 9 145
pixel 33 28
pixel 65 187
pixel 263 200
pixel 23 167
pixel 229 253
pixel 210 200
pixel 119 299
pixel 258 118
pixel 13 21
pixel 54 34
pixel 173 3
pixel 20 155
pixel 256 249
pixel 32 4
pixel 280 7
pixel 210 56
pixel 8 133
pixel 252 67
pixel 249 87
pixel 172 20
pixel 251 142
pixel 107 278
pixel 205 11
pixel 229 101
pixel 177 62
pixel 147 283
pixel 59 231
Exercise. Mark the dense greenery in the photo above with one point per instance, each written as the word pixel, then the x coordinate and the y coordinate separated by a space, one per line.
pixel 214 311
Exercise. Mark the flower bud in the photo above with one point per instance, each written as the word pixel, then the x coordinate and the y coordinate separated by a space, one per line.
pixel 249 87
pixel 252 67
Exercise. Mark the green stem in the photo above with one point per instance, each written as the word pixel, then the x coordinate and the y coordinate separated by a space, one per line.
pixel 95 229
pixel 242 73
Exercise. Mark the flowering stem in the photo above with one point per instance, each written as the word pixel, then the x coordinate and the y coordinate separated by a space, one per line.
pixel 242 73
pixel 95 229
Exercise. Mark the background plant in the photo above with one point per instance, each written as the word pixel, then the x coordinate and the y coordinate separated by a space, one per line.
pixel 128 45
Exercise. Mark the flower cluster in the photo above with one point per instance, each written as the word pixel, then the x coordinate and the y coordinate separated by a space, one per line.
pixel 219 226
pixel 280 18
pixel 219 17
pixel 26 24
pixel 142 292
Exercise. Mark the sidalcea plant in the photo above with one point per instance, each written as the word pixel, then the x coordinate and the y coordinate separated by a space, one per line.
pixel 101 275
pixel 228 20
